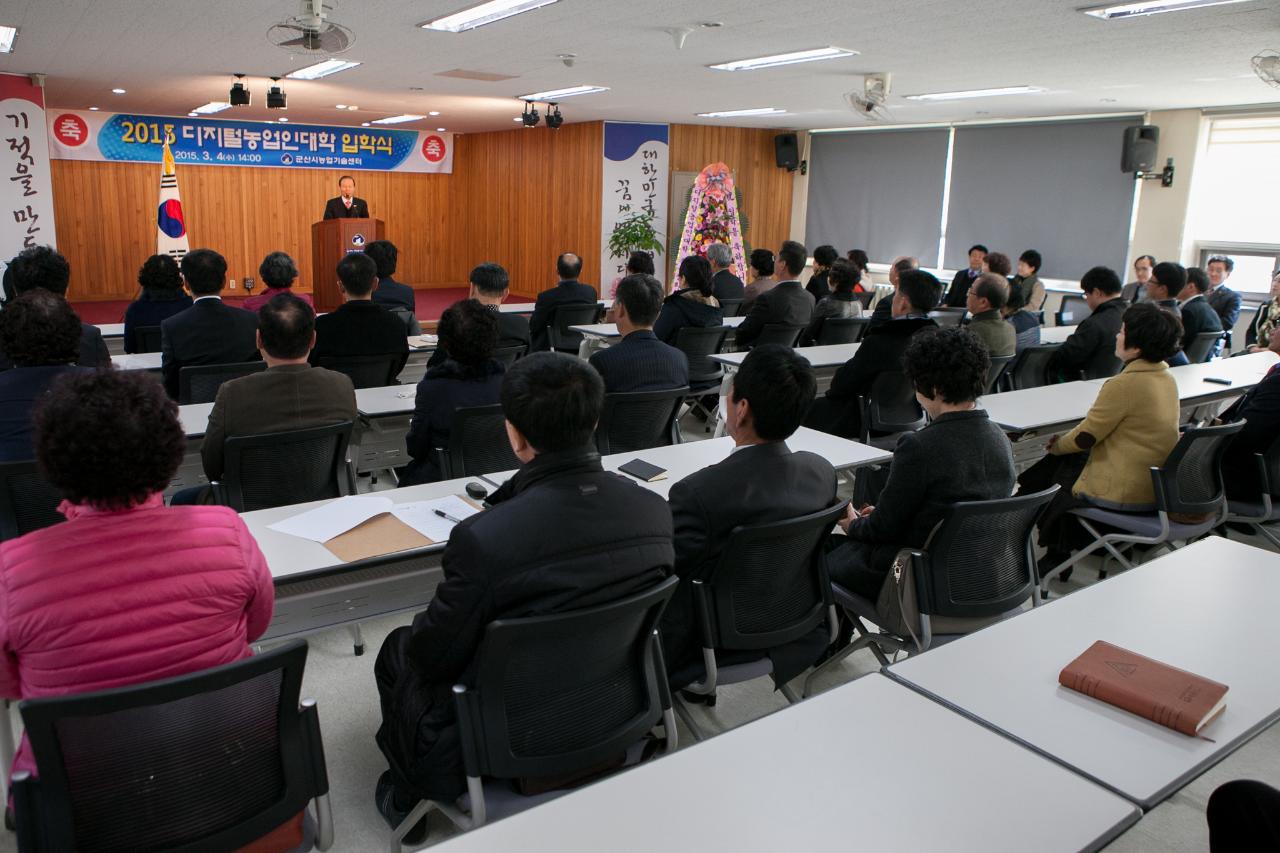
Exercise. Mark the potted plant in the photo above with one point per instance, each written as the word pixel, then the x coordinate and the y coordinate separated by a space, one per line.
pixel 634 232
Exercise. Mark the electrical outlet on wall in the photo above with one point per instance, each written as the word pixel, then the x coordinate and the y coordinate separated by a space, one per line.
pixel 231 284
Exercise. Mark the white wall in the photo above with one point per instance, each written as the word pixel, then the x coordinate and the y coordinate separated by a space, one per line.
pixel 1161 221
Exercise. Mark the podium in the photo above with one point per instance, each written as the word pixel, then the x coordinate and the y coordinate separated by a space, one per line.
pixel 331 241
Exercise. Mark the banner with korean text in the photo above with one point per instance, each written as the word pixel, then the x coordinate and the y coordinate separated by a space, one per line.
pixel 26 205
pixel 636 178
pixel 77 135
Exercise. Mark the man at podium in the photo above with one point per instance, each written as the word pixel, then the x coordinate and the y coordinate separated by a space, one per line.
pixel 346 205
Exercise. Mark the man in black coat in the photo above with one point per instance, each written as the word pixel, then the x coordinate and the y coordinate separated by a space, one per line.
pixel 1197 314
pixel 883 312
pixel 567 290
pixel 958 292
pixel 1260 410
pixel 360 326
pixel 640 362
pixel 881 349
pixel 1091 348
pixel 490 286
pixel 389 292
pixel 787 302
pixel 346 205
pixel 209 332
pixel 724 284
pixel 1166 282
pixel 562 534
pixel 42 267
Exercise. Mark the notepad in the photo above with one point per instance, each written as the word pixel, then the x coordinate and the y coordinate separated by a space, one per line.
pixel 643 471
pixel 421 516
pixel 362 526
pixel 422 341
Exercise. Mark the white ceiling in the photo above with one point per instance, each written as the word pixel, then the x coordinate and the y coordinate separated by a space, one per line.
pixel 173 55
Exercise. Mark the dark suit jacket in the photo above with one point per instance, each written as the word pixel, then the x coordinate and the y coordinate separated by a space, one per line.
pixel 209 332
pixel 756 484
pixel 1092 346
pixel 818 286
pixel 641 362
pixel 1226 304
pixel 393 294
pixel 444 389
pixel 1260 409
pixel 279 399
pixel 958 292
pixel 143 312
pixel 726 285
pixel 563 293
pixel 20 389
pixel 360 327
pixel 786 302
pixel 513 331
pixel 679 310
pixel 335 209
pixel 1198 316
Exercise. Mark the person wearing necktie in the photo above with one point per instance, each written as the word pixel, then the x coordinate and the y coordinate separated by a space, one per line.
pixel 346 205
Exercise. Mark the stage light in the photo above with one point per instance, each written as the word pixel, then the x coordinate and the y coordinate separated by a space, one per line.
pixel 240 96
pixel 530 116
pixel 554 119
pixel 276 98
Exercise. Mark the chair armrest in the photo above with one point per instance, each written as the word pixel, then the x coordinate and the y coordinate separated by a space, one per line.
pixel 660 663
pixel 468 731
pixel 702 605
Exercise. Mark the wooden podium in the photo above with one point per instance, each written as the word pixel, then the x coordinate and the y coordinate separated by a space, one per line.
pixel 331 241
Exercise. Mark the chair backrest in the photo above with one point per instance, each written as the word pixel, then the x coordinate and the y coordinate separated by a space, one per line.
pixel 1028 338
pixel 998 365
pixel 730 307
pixel 282 468
pixel 1030 369
pixel 410 320
pixel 639 420
pixel 1072 310
pixel 364 371
pixel 571 314
pixel 478 443
pixel 865 298
pixel 778 333
pixel 145 339
pixel 208 761
pixel 27 501
pixel 199 383
pixel 507 356
pixel 770 585
pixel 699 343
pixel 979 560
pixel 1190 480
pixel 558 694
pixel 842 330
pixel 1202 346
pixel 891 406
pixel 948 316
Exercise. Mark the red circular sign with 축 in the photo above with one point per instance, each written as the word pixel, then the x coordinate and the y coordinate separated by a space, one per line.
pixel 433 148
pixel 71 130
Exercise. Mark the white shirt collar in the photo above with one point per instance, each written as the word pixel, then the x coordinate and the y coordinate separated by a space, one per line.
pixel 210 296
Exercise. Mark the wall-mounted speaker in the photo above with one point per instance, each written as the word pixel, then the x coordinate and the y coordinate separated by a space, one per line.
pixel 786 150
pixel 1141 143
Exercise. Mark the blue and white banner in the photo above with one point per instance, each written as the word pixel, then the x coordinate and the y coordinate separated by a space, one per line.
pixel 77 135
pixel 636 179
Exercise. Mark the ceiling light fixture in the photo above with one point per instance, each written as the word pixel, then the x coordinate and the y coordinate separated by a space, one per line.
pixel 440 130
pixel 1137 10
pixel 7 35
pixel 211 107
pixel 976 93
pixel 530 117
pixel 561 94
pixel 434 113
pixel 400 119
pixel 239 95
pixel 759 111
pixel 364 124
pixel 276 98
pixel 485 13
pixel 93 109
pixel 340 106
pixel 352 108
pixel 282 118
pixel 192 115
pixel 321 69
pixel 793 58
pixel 117 91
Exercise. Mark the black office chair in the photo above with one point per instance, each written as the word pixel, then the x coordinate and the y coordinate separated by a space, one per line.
pixel 705 375
pixel 998 365
pixel 145 339
pixel 27 501
pixel 1259 514
pixel 778 333
pixel 865 298
pixel 730 307
pixel 1202 346
pixel 977 567
pixel 564 696
pixel 639 420
pixel 199 383
pixel 889 410
pixel 946 317
pixel 1072 310
pixel 769 588
pixel 411 325
pixel 507 356
pixel 572 314
pixel 365 371
pixel 282 468
pixel 1030 367
pixel 214 760
pixel 478 443
pixel 842 330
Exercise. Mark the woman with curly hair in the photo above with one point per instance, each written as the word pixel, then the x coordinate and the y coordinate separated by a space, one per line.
pixel 278 273
pixel 162 296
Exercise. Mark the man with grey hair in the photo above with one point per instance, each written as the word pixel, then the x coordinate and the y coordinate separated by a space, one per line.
pixel 724 283
pixel 884 308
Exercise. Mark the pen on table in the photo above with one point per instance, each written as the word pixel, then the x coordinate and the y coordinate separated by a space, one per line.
pixel 446 516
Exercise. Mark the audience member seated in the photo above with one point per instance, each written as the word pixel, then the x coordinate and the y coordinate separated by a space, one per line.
pixel 960 456
pixel 998 263
pixel 1130 429
pixel 278 273
pixel 490 286
pixel 41 334
pixel 562 534
pixel 468 377
pixel 640 362
pixel 360 326
pixel 724 284
pixel 567 291
pixel 1136 290
pixel 209 332
pixel 842 303
pixel 127 590
pixel 390 293
pixel 881 349
pixel 762 280
pixel 1197 314
pixel 818 286
pixel 786 303
pixel 41 267
pixel 1243 817
pixel 162 296
pixel 958 292
pixel 1166 282
pixel 638 263
pixel 1090 351
pixel 693 304
pixel 1263 327
pixel 1028 279
pixel 862 262
pixel 1259 408
pixel 883 312
pixel 986 297
pixel 1224 301
pixel 1026 326
pixel 762 481
pixel 289 395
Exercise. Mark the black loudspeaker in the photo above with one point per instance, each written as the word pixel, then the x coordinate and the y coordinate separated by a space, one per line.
pixel 786 150
pixel 1140 144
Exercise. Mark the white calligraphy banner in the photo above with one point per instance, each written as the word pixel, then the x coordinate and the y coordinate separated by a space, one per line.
pixel 26 190
pixel 636 177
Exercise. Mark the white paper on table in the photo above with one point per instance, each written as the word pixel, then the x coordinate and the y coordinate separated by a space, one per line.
pixel 422 341
pixel 334 518
pixel 420 515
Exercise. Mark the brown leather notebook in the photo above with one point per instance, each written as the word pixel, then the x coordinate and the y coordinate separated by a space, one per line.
pixel 1163 694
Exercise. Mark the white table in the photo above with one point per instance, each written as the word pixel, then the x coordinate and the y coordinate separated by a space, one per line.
pixel 1037 410
pixel 866 766
pixel 137 361
pixel 195 418
pixel 608 331
pixel 113 337
pixel 1207 608
pixel 824 358
pixel 527 307
pixel 1244 372
pixel 1055 334
pixel 385 401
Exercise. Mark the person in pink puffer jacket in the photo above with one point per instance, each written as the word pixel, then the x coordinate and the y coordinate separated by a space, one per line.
pixel 126 590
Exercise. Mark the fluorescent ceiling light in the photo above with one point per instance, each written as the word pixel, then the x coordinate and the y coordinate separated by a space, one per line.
pixel 560 94
pixel 813 55
pixel 321 69
pixel 761 111
pixel 1137 10
pixel 434 113
pixel 117 91
pixel 211 107
pixel 976 93
pixel 485 13
pixel 397 119
pixel 7 35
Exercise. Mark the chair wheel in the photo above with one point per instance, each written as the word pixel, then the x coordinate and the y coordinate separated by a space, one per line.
pixel 359 649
